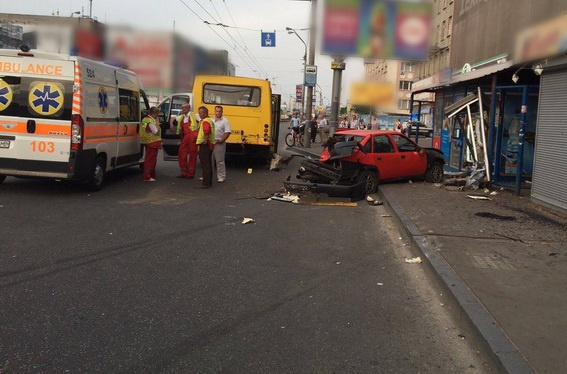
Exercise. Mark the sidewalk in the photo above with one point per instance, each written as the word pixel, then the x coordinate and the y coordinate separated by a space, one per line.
pixel 503 260
pixel 509 254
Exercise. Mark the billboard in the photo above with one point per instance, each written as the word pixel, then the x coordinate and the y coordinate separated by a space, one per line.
pixel 372 94
pixel 299 93
pixel 385 29
pixel 543 40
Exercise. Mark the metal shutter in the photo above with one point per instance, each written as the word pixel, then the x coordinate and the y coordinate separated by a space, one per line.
pixel 550 158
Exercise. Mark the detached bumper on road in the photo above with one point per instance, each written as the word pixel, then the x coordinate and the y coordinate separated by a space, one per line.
pixel 354 191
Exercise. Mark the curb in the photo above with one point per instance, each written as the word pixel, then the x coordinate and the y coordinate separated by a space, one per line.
pixel 496 344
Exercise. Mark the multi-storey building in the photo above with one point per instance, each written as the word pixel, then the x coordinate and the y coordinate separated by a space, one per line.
pixel 401 75
pixel 10 35
pixel 514 52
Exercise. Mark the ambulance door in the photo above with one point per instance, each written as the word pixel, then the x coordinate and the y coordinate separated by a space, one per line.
pixel 128 152
pixel 101 111
pixel 35 118
pixel 170 108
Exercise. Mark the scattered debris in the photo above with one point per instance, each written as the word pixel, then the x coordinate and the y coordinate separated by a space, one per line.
pixel 385 215
pixel 277 160
pixel 493 193
pixel 415 260
pixel 275 163
pixel 461 336
pixel 478 197
pixel 369 198
pixel 288 197
pixel 250 171
pixel 338 262
pixel 437 185
pixel 486 190
pixel 380 284
pixel 247 220
pixel 410 181
pixel 475 179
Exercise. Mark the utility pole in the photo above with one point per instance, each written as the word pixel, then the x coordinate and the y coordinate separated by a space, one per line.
pixel 309 103
pixel 338 66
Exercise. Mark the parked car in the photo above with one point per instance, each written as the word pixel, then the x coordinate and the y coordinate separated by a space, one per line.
pixel 353 162
pixel 424 130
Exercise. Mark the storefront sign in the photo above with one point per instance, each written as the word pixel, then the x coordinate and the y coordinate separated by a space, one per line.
pixel 544 40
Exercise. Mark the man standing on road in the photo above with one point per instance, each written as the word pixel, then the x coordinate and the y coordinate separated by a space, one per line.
pixel 222 132
pixel 206 144
pixel 150 137
pixel 187 127
pixel 294 124
pixel 323 128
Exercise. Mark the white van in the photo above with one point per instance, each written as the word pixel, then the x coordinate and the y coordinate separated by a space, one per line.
pixel 67 117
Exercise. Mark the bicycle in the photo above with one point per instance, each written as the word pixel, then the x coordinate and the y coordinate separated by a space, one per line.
pixel 290 138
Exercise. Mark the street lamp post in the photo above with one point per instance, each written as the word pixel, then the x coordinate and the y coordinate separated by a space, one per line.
pixel 292 31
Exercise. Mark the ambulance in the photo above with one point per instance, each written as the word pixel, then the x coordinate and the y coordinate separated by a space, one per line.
pixel 67 117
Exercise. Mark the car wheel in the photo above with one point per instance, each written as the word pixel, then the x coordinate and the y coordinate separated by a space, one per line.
pixel 98 175
pixel 2 178
pixel 370 179
pixel 435 173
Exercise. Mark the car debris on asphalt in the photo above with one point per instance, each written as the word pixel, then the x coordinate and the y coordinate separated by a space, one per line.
pixel 415 260
pixel 247 220
pixel 475 197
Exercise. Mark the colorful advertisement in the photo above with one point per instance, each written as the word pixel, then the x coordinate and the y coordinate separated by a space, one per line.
pixel 544 40
pixel 298 93
pixel 385 29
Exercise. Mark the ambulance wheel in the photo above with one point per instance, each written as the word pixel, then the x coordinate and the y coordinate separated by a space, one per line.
pixel 98 174
pixel 2 178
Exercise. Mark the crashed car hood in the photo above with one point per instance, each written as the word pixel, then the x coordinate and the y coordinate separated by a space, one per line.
pixel 340 150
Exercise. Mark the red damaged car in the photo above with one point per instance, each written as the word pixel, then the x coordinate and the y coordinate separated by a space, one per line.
pixel 355 161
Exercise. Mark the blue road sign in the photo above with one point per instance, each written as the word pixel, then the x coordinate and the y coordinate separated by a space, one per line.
pixel 268 39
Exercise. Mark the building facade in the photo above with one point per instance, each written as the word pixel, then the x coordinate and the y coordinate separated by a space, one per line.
pixel 401 75
pixel 514 53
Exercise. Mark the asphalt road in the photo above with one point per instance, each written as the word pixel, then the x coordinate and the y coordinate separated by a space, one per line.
pixel 161 277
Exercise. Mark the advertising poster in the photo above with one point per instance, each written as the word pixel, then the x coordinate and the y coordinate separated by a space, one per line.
pixel 385 29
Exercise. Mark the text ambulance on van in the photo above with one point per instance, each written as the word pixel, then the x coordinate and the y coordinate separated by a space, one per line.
pixel 66 117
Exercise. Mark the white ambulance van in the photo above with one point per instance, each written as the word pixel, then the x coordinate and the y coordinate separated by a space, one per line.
pixel 66 117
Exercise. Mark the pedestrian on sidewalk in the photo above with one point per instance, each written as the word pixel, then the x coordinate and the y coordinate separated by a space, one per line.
pixel 313 124
pixel 206 144
pixel 187 127
pixel 323 128
pixel 150 137
pixel 222 132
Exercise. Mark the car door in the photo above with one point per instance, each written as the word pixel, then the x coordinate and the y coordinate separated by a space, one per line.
pixel 413 159
pixel 169 108
pixel 385 157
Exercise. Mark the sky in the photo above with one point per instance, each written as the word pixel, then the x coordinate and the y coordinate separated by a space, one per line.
pixel 282 64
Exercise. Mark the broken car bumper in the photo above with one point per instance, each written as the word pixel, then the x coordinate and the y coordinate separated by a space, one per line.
pixel 354 191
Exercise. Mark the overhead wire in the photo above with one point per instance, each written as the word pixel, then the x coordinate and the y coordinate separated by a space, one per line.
pixel 241 38
pixel 244 49
pixel 212 29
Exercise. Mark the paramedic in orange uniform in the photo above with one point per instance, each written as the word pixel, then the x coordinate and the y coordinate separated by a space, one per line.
pixel 187 127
